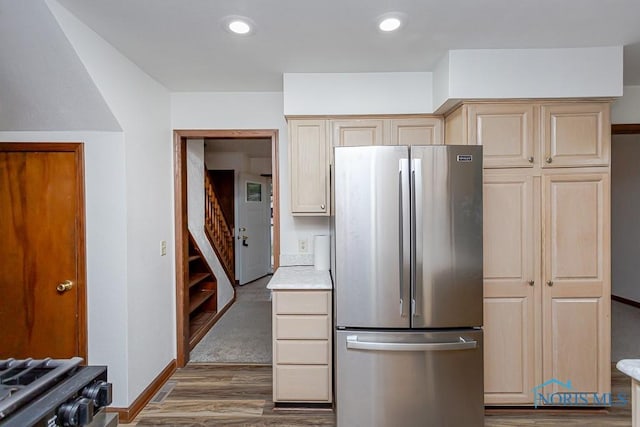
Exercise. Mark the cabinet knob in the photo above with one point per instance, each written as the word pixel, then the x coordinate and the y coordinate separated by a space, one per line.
pixel 549 160
pixel 530 159
pixel 550 283
pixel 532 282
pixel 321 206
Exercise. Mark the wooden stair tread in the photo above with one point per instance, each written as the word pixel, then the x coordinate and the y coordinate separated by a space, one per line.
pixel 196 278
pixel 199 298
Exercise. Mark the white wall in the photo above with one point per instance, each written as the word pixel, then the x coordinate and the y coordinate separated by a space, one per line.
pixel 535 73
pixel 106 247
pixel 357 93
pixel 43 84
pixel 237 161
pixel 625 211
pixel 195 214
pixel 627 108
pixel 259 110
pixel 260 165
pixel 142 107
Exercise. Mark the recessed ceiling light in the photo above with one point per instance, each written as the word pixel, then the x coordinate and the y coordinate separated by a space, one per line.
pixel 239 26
pixel 389 24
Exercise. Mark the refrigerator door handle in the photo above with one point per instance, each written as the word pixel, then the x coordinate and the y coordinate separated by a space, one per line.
pixel 461 344
pixel 403 232
pixel 416 227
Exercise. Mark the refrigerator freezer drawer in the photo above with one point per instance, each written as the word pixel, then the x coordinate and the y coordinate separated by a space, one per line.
pixel 302 383
pixel 302 352
pixel 408 379
pixel 302 327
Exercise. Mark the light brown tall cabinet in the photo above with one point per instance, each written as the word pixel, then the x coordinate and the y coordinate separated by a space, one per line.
pixel 546 243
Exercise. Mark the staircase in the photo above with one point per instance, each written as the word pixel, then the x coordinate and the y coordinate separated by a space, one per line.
pixel 217 229
pixel 203 299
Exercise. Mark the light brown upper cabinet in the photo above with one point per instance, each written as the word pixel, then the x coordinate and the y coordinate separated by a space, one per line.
pixel 417 131
pixel 357 132
pixel 576 134
pixel 506 132
pixel 309 167
pixel 530 134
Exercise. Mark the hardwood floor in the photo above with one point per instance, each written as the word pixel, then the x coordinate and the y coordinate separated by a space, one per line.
pixel 240 395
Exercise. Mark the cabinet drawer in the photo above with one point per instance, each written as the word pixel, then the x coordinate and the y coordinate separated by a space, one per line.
pixel 302 383
pixel 307 302
pixel 302 327
pixel 301 352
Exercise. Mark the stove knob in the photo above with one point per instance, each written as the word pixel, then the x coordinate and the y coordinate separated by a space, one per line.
pixel 76 413
pixel 99 392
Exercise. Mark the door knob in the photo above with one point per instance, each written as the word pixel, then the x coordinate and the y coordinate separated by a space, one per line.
pixel 550 283
pixel 64 286
pixel 530 159
pixel 549 160
pixel 532 282
pixel 242 229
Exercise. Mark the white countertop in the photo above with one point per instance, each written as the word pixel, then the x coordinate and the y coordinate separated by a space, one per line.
pixel 304 277
pixel 630 367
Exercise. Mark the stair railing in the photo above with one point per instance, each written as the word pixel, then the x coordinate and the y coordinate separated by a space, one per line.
pixel 217 229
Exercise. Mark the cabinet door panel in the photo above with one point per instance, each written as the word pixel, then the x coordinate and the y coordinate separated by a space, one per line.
pixel 302 302
pixel 576 230
pixel 309 167
pixel 576 292
pixel 350 133
pixel 302 352
pixel 576 345
pixel 576 134
pixel 295 383
pixel 302 327
pixel 510 318
pixel 506 131
pixel 418 131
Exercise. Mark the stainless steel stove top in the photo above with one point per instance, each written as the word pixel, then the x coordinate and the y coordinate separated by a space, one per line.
pixel 53 392
pixel 22 380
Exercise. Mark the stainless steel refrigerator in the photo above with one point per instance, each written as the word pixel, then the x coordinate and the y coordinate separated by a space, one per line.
pixel 407 271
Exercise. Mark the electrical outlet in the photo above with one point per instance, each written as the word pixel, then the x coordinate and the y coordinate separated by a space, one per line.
pixel 303 246
pixel 163 248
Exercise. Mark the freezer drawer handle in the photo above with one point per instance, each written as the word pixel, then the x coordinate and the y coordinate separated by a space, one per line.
pixel 461 344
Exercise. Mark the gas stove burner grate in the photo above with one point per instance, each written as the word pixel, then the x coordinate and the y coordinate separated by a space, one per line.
pixel 22 380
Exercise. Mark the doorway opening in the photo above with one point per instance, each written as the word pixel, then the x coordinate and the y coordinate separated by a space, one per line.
pixel 242 167
pixel 625 238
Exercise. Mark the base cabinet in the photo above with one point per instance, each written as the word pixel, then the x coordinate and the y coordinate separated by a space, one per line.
pixel 302 346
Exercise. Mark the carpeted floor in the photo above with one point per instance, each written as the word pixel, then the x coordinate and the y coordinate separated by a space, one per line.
pixel 243 334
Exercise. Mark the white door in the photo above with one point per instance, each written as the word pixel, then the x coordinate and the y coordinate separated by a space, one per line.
pixel 253 228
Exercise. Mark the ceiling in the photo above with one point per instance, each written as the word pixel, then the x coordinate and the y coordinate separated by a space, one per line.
pixel 183 43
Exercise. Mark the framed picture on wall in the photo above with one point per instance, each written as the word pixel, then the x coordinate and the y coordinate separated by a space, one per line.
pixel 254 191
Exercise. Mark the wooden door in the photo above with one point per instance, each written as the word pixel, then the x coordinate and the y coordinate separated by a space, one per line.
pixel 576 274
pixel 576 134
pixel 511 288
pixel 352 133
pixel 42 229
pixel 506 132
pixel 309 167
pixel 417 131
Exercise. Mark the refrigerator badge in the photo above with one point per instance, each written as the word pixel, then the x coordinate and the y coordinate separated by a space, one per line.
pixel 465 158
